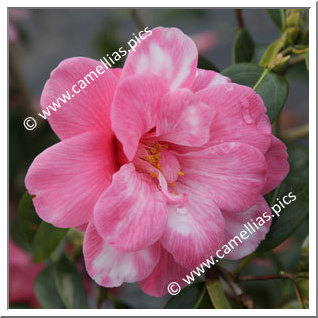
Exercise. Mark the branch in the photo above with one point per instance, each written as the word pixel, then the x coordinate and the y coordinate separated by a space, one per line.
pixel 239 18
pixel 135 15
pixel 265 277
pixel 237 290
pixel 296 133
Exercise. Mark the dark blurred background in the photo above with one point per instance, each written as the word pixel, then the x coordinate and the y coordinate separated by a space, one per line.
pixel 41 38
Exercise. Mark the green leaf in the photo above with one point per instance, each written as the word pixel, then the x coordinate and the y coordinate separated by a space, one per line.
pixel 217 295
pixel 46 239
pixel 205 64
pixel 296 212
pixel 272 51
pixel 243 48
pixel 46 291
pixel 276 16
pixel 273 88
pixel 24 228
pixel 190 297
pixel 69 283
pixel 307 59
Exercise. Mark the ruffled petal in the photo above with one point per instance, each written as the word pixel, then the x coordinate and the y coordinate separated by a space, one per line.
pixel 109 267
pixel 67 179
pixel 184 120
pixel 232 173
pixel 278 166
pixel 167 53
pixel 195 229
pixel 135 109
pixel 206 78
pixel 165 272
pixel 132 213
pixel 239 116
pixel 259 214
pixel 88 105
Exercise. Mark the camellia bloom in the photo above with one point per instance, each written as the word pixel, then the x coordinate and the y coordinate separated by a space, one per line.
pixel 160 163
pixel 22 273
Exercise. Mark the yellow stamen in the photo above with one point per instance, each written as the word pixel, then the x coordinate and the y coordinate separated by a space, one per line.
pixel 153 175
pixel 173 184
pixel 180 173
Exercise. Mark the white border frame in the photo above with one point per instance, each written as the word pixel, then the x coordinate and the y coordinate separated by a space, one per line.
pixel 312 161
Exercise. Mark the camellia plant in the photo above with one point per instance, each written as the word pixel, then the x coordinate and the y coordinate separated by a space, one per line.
pixel 162 162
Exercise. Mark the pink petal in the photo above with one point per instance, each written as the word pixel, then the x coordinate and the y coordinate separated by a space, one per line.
pixel 205 78
pixel 165 272
pixel 234 225
pixel 277 163
pixel 132 213
pixel 232 173
pixel 195 229
pixel 167 53
pixel 169 165
pixel 88 110
pixel 239 116
pixel 109 267
pixel 68 178
pixel 135 108
pixel 183 119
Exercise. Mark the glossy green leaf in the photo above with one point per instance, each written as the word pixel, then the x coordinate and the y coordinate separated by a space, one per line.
pixel 193 296
pixel 273 88
pixel 46 291
pixel 276 16
pixel 25 227
pixel 243 48
pixel 296 212
pixel 45 241
pixel 69 283
pixel 205 64
pixel 217 295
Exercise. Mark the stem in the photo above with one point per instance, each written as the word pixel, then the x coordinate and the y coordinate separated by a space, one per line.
pixel 297 59
pixel 200 298
pixel 296 133
pixel 283 17
pixel 239 18
pixel 237 290
pixel 265 277
pixel 265 72
pixel 243 263
pixel 135 15
pixel 98 297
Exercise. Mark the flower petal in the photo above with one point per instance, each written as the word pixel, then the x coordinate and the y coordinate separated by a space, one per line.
pixel 234 225
pixel 135 109
pixel 167 53
pixel 132 213
pixel 277 163
pixel 109 267
pixel 232 173
pixel 239 116
pixel 206 78
pixel 87 110
pixel 195 229
pixel 165 272
pixel 68 178
pixel 184 120
pixel 169 165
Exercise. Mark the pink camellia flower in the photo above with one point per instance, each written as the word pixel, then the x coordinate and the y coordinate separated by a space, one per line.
pixel 205 41
pixel 163 163
pixel 22 272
